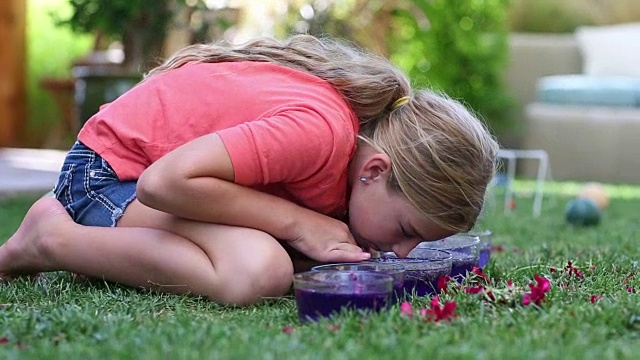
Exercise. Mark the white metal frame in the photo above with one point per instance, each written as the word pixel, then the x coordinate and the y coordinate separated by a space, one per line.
pixel 511 156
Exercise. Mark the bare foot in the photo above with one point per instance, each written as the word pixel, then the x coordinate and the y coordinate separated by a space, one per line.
pixel 26 251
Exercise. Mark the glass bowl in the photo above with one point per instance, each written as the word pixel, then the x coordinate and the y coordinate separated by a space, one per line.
pixel 421 274
pixel 321 293
pixel 464 250
pixel 485 246
pixel 396 271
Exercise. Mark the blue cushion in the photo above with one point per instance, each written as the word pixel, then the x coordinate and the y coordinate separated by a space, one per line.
pixel 617 91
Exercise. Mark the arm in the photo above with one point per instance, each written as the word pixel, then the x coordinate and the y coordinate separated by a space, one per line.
pixel 195 181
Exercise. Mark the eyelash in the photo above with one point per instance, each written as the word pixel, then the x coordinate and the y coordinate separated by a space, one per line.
pixel 404 232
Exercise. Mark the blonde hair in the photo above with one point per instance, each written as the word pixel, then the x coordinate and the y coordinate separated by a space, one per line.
pixel 442 156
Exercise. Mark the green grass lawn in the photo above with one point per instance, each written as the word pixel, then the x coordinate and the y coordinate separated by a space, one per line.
pixel 56 317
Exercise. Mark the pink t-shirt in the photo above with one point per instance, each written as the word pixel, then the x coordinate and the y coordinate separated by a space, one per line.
pixel 288 133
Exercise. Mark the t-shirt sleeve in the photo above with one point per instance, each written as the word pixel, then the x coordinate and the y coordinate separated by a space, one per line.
pixel 290 146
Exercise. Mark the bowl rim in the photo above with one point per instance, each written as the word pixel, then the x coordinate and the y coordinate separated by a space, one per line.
pixel 454 242
pixel 370 277
pixel 392 268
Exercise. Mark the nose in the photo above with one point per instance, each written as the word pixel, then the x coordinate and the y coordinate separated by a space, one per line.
pixel 402 249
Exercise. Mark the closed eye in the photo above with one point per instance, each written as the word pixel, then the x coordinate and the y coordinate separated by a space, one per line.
pixel 404 232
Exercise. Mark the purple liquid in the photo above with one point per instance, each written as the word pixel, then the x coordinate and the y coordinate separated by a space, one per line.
pixel 462 263
pixel 396 271
pixel 485 255
pixel 312 304
pixel 398 292
pixel 418 282
pixel 423 282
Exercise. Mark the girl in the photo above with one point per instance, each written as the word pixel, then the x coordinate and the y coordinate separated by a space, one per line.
pixel 206 176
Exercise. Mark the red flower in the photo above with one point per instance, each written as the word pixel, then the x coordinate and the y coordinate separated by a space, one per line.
pixel 626 279
pixel 497 248
pixel 491 296
pixel 287 329
pixel 439 312
pixel 474 289
pixel 406 309
pixel 631 290
pixel 573 271
pixel 538 291
pixel 442 283
pixel 478 271
pixel 4 340
pixel 595 298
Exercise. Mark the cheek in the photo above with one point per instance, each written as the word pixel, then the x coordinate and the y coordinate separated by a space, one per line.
pixel 361 222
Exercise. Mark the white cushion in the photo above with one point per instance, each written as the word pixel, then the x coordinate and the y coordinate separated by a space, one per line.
pixel 610 50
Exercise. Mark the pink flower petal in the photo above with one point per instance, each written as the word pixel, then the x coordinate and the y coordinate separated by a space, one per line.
pixel 474 289
pixel 406 309
pixel 595 298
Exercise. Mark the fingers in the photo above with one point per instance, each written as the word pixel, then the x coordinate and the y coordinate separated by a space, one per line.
pixel 348 253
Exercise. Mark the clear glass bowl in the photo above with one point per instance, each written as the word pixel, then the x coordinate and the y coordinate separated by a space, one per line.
pixel 396 271
pixel 320 293
pixel 421 274
pixel 464 250
pixel 485 246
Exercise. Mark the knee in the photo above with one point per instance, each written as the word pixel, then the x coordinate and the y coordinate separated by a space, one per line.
pixel 264 271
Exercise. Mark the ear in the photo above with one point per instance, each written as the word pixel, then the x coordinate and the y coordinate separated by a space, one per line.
pixel 376 166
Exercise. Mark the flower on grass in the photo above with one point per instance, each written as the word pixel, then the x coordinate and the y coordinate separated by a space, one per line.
pixel 287 329
pixel 573 271
pixel 538 291
pixel 595 298
pixel 442 283
pixel 333 327
pixel 478 271
pixel 438 311
pixel 4 340
pixel 406 309
pixel 479 283
pixel 474 289
pixel 626 280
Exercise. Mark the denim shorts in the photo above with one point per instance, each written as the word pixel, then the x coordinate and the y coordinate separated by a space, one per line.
pixel 90 190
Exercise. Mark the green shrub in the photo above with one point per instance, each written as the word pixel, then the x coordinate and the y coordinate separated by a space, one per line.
pixel 461 50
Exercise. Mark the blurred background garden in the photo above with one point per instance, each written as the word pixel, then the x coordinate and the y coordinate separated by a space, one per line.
pixel 531 68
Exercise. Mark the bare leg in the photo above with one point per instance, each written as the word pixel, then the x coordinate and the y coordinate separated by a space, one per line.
pixel 225 264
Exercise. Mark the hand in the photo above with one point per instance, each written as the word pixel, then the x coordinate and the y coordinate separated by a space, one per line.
pixel 326 240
